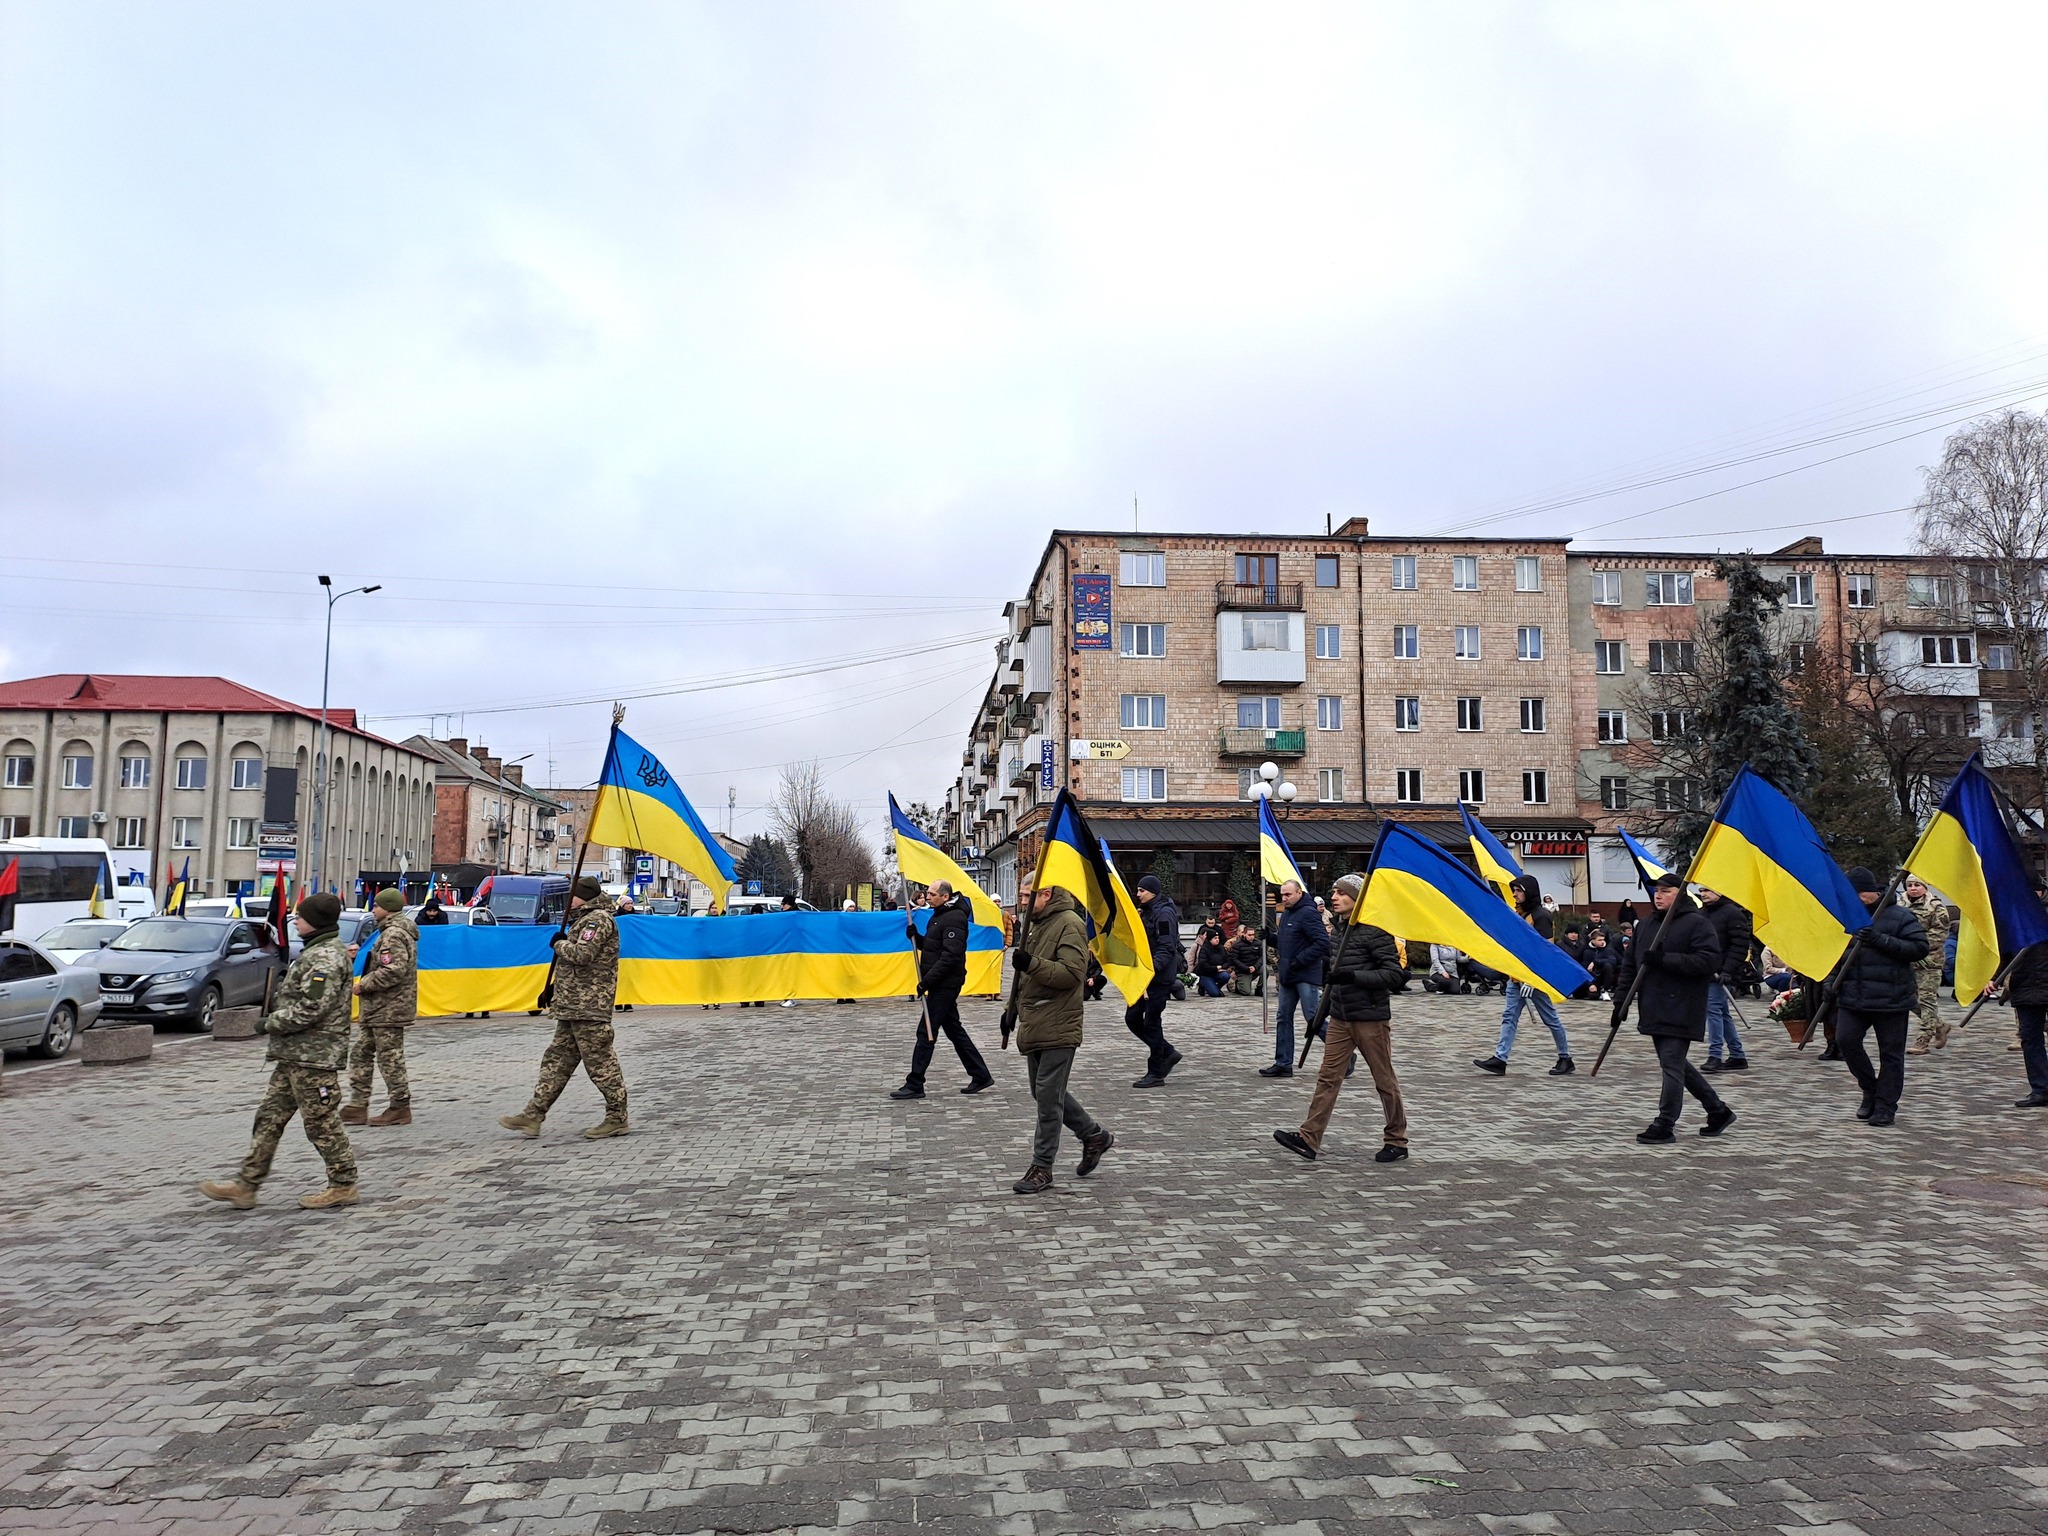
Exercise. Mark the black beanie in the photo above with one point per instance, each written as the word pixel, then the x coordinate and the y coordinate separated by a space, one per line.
pixel 322 909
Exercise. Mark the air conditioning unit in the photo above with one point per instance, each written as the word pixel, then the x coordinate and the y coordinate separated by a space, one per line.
pixel 99 818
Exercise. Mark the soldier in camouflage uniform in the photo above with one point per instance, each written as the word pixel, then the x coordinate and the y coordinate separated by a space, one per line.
pixel 389 990
pixel 581 995
pixel 308 1031
pixel 1933 915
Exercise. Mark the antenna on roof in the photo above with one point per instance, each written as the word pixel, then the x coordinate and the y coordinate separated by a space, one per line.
pixel 1134 512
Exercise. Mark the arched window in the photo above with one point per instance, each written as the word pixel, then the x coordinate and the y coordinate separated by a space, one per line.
pixel 245 770
pixel 135 766
pixel 18 766
pixel 76 765
pixel 191 768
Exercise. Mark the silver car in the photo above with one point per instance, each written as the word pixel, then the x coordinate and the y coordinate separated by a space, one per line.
pixel 43 1004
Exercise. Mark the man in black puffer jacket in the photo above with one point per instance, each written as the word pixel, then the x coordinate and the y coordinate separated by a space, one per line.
pixel 1877 991
pixel 1679 954
pixel 2026 987
pixel 1143 1018
pixel 941 973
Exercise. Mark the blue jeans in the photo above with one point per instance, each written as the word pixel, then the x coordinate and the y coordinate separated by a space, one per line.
pixel 1309 997
pixel 1212 986
pixel 1511 1016
pixel 1721 1025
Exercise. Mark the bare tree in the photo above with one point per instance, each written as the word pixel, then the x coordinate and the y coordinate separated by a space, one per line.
pixel 1669 759
pixel 823 834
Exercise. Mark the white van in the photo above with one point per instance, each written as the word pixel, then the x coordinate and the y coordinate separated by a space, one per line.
pixel 57 879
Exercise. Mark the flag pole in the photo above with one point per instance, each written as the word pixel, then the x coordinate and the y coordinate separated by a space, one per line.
pixel 924 1007
pixel 547 987
pixel 1831 989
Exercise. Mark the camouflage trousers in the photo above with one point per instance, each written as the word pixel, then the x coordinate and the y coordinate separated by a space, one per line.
pixel 1928 1003
pixel 588 1041
pixel 375 1049
pixel 315 1095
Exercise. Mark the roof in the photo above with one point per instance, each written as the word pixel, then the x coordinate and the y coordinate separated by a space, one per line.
pixel 148 693
pixel 450 764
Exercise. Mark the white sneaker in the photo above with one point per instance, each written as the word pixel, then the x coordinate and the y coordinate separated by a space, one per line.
pixel 788 1003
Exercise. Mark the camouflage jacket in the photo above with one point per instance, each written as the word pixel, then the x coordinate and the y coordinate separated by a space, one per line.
pixel 1934 919
pixel 390 981
pixel 308 1020
pixel 587 964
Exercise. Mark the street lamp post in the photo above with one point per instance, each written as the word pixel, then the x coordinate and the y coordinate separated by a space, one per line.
pixel 321 767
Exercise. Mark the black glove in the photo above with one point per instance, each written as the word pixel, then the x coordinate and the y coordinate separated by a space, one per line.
pixel 1021 960
pixel 910 932
pixel 1620 1014
pixel 555 939
pixel 1343 979
pixel 547 996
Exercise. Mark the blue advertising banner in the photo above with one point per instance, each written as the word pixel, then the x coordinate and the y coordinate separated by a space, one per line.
pixel 1047 757
pixel 1091 611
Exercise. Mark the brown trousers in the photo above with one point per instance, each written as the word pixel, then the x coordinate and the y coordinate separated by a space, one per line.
pixel 1375 1042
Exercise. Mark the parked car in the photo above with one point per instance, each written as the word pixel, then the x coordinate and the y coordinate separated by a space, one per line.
pixel 186 969
pixel 221 906
pixel 663 906
pixel 73 941
pixel 43 1002
pixel 458 917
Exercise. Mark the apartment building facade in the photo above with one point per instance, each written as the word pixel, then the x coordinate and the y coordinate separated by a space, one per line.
pixel 487 818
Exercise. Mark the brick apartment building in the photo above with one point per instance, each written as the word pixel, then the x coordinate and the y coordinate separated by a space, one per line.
pixel 487 818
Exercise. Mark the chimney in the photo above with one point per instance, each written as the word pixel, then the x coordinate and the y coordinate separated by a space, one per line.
pixel 1352 528
pixel 481 753
pixel 489 764
pixel 516 774
pixel 459 745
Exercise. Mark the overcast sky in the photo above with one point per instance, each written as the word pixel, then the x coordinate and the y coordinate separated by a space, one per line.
pixel 639 344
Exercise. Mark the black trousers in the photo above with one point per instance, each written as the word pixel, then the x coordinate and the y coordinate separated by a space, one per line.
pixel 1144 1019
pixel 1680 1078
pixel 1883 1085
pixel 943 1009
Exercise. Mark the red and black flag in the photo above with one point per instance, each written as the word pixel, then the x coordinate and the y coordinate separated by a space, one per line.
pixel 10 887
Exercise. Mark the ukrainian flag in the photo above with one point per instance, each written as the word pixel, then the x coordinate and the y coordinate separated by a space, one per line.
pixel 1968 854
pixel 924 861
pixel 1075 860
pixel 1276 859
pixel 1419 891
pixel 639 806
pixel 1496 865
pixel 174 898
pixel 1647 866
pixel 1763 853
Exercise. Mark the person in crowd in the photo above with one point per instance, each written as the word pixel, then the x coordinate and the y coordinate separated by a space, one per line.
pixel 431 914
pixel 941 973
pixel 1212 959
pixel 1304 943
pixel 1444 963
pixel 1874 997
pixel 1602 963
pixel 1779 977
pixel 1679 959
pixel 1145 1018
pixel 586 985
pixel 1935 923
pixel 1097 982
pixel 1625 915
pixel 1230 919
pixel 2026 987
pixel 1528 900
pixel 389 990
pixel 1244 955
pixel 1052 966
pixel 1733 930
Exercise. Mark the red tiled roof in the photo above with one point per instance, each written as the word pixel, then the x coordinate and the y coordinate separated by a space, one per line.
pixel 163 695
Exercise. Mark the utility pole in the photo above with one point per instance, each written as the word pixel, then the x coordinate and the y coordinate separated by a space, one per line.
pixel 323 769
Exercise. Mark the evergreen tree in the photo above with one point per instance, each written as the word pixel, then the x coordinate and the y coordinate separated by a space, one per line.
pixel 1244 888
pixel 1335 868
pixel 768 861
pixel 1163 867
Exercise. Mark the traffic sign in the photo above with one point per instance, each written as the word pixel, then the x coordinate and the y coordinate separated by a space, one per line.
pixel 1080 751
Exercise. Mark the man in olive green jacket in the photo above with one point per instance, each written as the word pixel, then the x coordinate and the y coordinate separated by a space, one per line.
pixel 1052 968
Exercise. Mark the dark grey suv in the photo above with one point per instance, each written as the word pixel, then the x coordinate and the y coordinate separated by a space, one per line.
pixel 185 969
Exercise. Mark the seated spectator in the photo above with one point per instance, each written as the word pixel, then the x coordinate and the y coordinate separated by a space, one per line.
pixel 1444 973
pixel 1603 964
pixel 1212 959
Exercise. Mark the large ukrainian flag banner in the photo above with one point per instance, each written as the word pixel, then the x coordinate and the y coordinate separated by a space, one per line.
pixel 1763 853
pixel 1417 891
pixel 1496 865
pixel 1075 860
pixel 1968 854
pixel 1276 859
pixel 677 960
pixel 639 806
pixel 922 860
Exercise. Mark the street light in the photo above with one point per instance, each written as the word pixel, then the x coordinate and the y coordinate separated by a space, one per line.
pixel 321 767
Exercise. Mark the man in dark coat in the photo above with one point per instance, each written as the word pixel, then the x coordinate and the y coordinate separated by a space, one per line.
pixel 1304 944
pixel 1143 1018
pixel 1679 956
pixel 941 973
pixel 1876 993
pixel 1733 929
pixel 2027 988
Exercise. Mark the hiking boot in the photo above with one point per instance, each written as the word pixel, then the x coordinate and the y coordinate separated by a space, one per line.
pixel 1035 1182
pixel 1491 1064
pixel 1276 1070
pixel 395 1114
pixel 526 1122
pixel 330 1197
pixel 1091 1153
pixel 1718 1120
pixel 1150 1080
pixel 907 1092
pixel 355 1114
pixel 1921 1045
pixel 610 1125
pixel 1390 1154
pixel 980 1084
pixel 1294 1141
pixel 1941 1033
pixel 1654 1133
pixel 241 1196
pixel 1565 1067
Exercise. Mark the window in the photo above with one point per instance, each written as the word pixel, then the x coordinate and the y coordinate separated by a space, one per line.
pixel 1326 571
pixel 1799 590
pixel 1404 642
pixel 2012 722
pixel 1528 573
pixel 1863 658
pixel 241 831
pixel 1404 573
pixel 1607 589
pixel 1329 784
pixel 21 772
pixel 130 832
pixel 1947 651
pixel 1472 785
pixel 1264 634
pixel 77 775
pixel 1998 658
pixel 1535 786
pixel 1464 573
pixel 1407 713
pixel 1329 713
pixel 1144 784
pixel 1677 794
pixel 13 827
pixel 1465 642
pixel 1469 715
pixel 1670 724
pixel 1258 571
pixel 1140 570
pixel 1329 642
pixel 1529 642
pixel 1408 786
pixel 191 773
pixel 1941 722
pixel 1142 639
pixel 1614 794
pixel 246 773
pixel 135 773
pixel 1926 591
pixel 1142 712
pixel 185 831
pixel 1862 591
pixel 74 826
pixel 1673 656
pixel 1796 655
pixel 1259 714
pixel 1607 658
pixel 1666 589
pixel 1613 725
pixel 1532 715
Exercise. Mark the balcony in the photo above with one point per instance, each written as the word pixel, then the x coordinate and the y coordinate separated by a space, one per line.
pixel 1239 741
pixel 1284 596
pixel 1023 772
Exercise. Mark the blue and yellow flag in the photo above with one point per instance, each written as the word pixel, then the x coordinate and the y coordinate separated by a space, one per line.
pixel 926 862
pixel 1496 865
pixel 1418 891
pixel 639 806
pixel 1760 851
pixel 1276 859
pixel 1967 853
pixel 174 898
pixel 1648 866
pixel 1075 860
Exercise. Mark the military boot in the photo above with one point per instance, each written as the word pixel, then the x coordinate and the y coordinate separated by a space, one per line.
pixel 610 1125
pixel 328 1198
pixel 1036 1181
pixel 241 1196
pixel 396 1114
pixel 526 1122
pixel 355 1114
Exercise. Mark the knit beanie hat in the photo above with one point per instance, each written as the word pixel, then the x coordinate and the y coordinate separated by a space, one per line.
pixel 391 899
pixel 322 909
pixel 1350 886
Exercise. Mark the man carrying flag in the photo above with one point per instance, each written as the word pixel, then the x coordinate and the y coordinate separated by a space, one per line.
pixel 1300 936
pixel 1875 994
pixel 1051 966
pixel 1146 1017
pixel 941 951
pixel 1527 899
pixel 1672 960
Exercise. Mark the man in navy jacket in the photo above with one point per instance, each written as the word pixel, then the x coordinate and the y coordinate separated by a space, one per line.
pixel 1304 944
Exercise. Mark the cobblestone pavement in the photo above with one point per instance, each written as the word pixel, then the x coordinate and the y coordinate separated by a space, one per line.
pixel 786 1303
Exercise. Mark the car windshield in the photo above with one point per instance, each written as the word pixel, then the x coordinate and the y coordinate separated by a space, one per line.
pixel 515 909
pixel 81 935
pixel 169 936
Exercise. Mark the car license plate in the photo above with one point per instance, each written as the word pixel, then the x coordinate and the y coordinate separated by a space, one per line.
pixel 117 997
